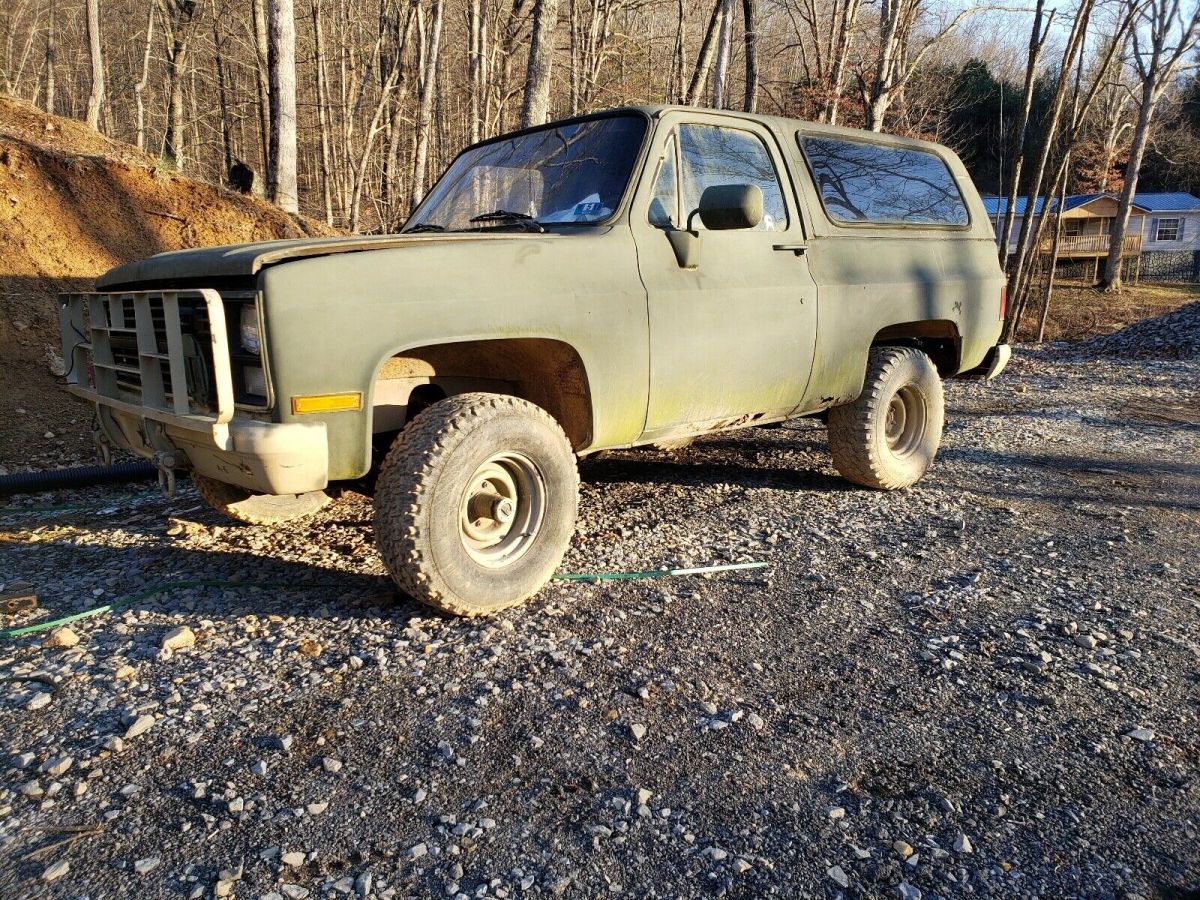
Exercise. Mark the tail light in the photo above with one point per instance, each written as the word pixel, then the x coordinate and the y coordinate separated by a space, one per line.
pixel 1003 302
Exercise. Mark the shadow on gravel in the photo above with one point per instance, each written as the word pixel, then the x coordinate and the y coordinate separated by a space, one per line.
pixel 1154 482
pixel 252 585
pixel 660 471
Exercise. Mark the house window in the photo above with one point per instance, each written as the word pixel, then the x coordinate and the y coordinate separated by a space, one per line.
pixel 1071 227
pixel 1168 230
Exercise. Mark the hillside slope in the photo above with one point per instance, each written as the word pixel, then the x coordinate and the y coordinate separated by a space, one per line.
pixel 72 205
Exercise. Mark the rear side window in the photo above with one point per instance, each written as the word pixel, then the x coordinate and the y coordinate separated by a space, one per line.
pixel 867 183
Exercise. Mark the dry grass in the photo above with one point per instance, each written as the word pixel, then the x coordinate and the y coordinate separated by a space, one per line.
pixel 1078 311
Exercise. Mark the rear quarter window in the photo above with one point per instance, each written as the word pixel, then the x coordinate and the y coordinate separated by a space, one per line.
pixel 864 183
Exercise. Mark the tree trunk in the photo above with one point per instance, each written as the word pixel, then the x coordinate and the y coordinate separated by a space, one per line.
pixel 96 96
pixel 536 107
pixel 322 110
pixel 704 59
pixel 177 18
pixel 139 89
pixel 840 46
pixel 1037 40
pixel 1058 230
pixel 281 26
pixel 425 92
pixel 678 88
pixel 475 68
pixel 724 38
pixel 1111 278
pixel 173 141
pixel 750 15
pixel 50 60
pixel 222 93
pixel 261 59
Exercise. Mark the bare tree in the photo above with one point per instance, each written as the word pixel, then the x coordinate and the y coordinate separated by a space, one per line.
pixel 139 89
pixel 391 77
pixel 724 39
pixel 705 58
pixel 1026 248
pixel 826 31
pixel 262 54
pixel 96 57
pixel 177 17
pixel 281 27
pixel 431 52
pixel 50 60
pixel 322 111
pixel 750 40
pixel 536 108
pixel 1037 41
pixel 1162 37
pixel 1067 139
pixel 475 67
pixel 896 63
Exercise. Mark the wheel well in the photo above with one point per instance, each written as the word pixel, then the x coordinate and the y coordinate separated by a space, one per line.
pixel 938 338
pixel 542 371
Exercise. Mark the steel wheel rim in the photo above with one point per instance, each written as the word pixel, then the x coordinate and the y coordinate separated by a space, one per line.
pixel 502 509
pixel 904 424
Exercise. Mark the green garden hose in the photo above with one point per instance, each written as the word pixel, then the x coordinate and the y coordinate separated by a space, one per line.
pixel 656 573
pixel 122 602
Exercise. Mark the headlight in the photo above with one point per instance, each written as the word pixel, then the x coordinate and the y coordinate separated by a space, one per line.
pixel 251 342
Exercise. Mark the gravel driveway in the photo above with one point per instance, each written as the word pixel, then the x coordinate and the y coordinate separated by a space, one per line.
pixel 988 685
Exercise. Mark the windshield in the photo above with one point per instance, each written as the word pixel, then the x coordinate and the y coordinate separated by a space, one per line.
pixel 572 174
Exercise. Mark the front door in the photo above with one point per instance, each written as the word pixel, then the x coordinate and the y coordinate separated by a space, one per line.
pixel 732 337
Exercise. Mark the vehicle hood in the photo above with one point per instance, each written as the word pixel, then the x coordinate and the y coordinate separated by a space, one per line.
pixel 247 259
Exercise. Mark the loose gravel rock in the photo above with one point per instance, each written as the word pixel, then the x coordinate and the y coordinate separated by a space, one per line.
pixel 1175 335
pixel 906 674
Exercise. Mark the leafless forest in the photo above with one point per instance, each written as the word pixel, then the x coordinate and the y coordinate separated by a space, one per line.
pixel 347 109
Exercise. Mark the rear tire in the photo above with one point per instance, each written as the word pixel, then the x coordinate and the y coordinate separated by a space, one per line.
pixel 888 437
pixel 250 508
pixel 475 503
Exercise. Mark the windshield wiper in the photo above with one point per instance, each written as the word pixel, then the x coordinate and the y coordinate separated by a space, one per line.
pixel 503 215
pixel 424 226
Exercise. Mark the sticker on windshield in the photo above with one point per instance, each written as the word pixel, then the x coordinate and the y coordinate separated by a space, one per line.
pixel 589 209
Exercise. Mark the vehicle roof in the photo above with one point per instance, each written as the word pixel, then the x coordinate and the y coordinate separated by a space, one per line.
pixel 783 123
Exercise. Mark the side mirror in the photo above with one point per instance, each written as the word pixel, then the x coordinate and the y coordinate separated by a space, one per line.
pixel 724 207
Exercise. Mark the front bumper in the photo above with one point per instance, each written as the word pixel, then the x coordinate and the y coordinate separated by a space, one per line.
pixel 267 457
pixel 146 405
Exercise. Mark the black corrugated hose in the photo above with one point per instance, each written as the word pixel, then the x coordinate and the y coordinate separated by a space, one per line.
pixel 58 479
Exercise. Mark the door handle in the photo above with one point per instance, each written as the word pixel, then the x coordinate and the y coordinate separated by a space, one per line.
pixel 798 249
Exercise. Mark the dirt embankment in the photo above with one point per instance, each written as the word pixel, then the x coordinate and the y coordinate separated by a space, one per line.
pixel 74 203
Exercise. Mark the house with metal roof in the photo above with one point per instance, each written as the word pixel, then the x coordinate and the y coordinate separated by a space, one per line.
pixel 1172 222
pixel 1159 223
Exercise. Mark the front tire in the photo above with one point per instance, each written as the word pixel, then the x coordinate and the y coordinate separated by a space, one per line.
pixel 475 503
pixel 250 508
pixel 888 437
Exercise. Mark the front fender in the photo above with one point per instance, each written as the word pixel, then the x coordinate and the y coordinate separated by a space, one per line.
pixel 331 322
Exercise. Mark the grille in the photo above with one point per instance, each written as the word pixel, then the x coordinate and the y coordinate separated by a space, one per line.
pixel 164 351
pixel 197 348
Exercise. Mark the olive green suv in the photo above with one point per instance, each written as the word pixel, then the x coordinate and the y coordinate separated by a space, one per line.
pixel 634 277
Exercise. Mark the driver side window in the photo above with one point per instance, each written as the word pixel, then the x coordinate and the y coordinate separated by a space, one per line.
pixel 714 155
